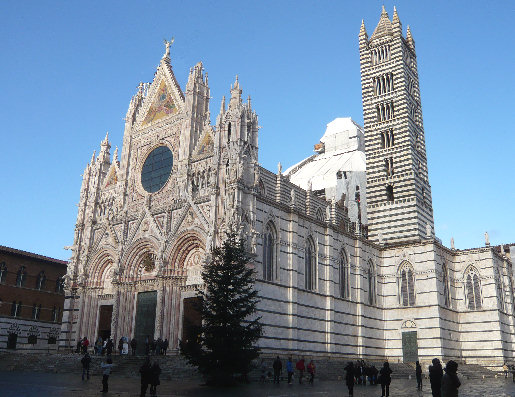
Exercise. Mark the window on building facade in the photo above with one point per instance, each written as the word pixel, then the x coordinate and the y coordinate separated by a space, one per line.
pixel 388 165
pixel 383 84
pixel 371 283
pixel 407 286
pixel 40 282
pixel 446 288
pixel 3 272
pixel 387 139
pixel 344 275
pixel 473 290
pixel 59 285
pixel 54 314
pixel 32 339
pixel 380 54
pixel 309 266
pixel 385 111
pixel 228 132
pixel 16 309
pixel 389 193
pixel 36 311
pixel 269 252
pixel 21 276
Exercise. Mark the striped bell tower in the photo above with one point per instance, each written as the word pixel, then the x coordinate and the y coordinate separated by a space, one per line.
pixel 399 202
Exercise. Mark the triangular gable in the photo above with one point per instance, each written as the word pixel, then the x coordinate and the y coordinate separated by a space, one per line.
pixel 164 99
pixel 205 144
pixel 112 177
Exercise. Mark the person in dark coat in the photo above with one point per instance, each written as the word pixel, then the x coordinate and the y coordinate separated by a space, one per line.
pixel 385 374
pixel 134 345
pixel 435 377
pixel 349 378
pixel 109 346
pixel 373 372
pixel 450 381
pixel 146 375
pixel 86 360
pixel 418 374
pixel 289 369
pixel 301 368
pixel 165 346
pixel 278 367
pixel 120 346
pixel 155 371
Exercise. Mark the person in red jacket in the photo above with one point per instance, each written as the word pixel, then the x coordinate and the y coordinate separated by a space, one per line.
pixel 301 368
pixel 311 371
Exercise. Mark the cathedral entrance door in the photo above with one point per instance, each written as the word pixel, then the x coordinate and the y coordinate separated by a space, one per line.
pixel 409 347
pixel 145 319
pixel 191 319
pixel 11 341
pixel 105 316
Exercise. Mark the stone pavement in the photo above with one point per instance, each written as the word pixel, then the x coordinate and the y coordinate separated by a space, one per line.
pixel 22 384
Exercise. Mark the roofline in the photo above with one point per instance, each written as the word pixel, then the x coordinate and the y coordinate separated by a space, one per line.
pixel 32 255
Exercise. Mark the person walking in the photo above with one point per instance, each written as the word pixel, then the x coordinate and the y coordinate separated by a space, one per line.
pixel 106 371
pixel 146 374
pixel 435 377
pixel 289 369
pixel 385 374
pixel 418 374
pixel 85 344
pixel 278 367
pixel 311 371
pixel 349 377
pixel 301 368
pixel 165 346
pixel 109 346
pixel 505 369
pixel 134 345
pixel 450 381
pixel 155 371
pixel 86 360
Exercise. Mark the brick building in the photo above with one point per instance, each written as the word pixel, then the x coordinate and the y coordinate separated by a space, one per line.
pixel 31 300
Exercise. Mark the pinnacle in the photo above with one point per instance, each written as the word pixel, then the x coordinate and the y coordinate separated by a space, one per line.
pixel 362 30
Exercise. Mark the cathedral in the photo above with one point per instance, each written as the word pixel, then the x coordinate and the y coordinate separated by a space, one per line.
pixel 347 262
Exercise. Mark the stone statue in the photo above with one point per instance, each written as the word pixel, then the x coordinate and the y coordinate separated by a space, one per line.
pixel 167 45
pixel 452 243
pixel 487 239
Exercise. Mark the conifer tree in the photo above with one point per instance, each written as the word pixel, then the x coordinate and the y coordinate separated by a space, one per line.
pixel 226 340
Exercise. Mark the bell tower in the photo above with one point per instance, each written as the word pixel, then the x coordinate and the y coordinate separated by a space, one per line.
pixel 399 202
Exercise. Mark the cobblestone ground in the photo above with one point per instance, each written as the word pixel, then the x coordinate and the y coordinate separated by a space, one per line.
pixel 61 385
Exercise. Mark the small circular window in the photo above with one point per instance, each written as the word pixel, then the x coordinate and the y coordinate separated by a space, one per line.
pixel 156 169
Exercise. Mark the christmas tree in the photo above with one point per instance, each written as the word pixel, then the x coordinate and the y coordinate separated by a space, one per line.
pixel 226 341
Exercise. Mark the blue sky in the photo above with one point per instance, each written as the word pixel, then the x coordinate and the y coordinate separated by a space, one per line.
pixel 69 69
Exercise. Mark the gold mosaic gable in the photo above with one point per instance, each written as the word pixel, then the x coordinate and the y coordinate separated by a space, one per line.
pixel 112 178
pixel 162 106
pixel 205 145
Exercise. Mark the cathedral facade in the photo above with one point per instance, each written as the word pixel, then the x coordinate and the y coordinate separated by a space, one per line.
pixel 347 263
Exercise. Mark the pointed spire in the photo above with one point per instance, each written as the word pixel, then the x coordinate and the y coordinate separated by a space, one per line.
pixel 222 105
pixel 115 155
pixel 105 142
pixel 93 157
pixel 409 38
pixel 235 94
pixel 396 23
pixel 362 29
pixel 384 26
pixel 383 12
pixel 249 104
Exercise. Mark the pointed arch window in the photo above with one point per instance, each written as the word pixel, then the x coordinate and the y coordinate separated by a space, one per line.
pixel 446 288
pixel 36 311
pixel 16 309
pixel 407 285
pixel 3 272
pixel 21 276
pixel 269 257
pixel 229 133
pixel 309 266
pixel 473 290
pixel 371 276
pixel 41 280
pixel 344 275
pixel 59 285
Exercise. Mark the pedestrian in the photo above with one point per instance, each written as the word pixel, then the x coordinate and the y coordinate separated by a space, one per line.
pixel 262 367
pixel 134 345
pixel 125 346
pixel 301 368
pixel 357 372
pixel 85 344
pixel 155 371
pixel 86 360
pixel 289 369
pixel 435 377
pixel 120 346
pixel 505 369
pixel 450 381
pixel 311 371
pixel 278 367
pixel 165 346
pixel 386 379
pixel 79 346
pixel 146 375
pixel 109 346
pixel 147 345
pixel 98 346
pixel 418 374
pixel 106 371
pixel 153 345
pixel 373 373
pixel 349 378
pixel 159 346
